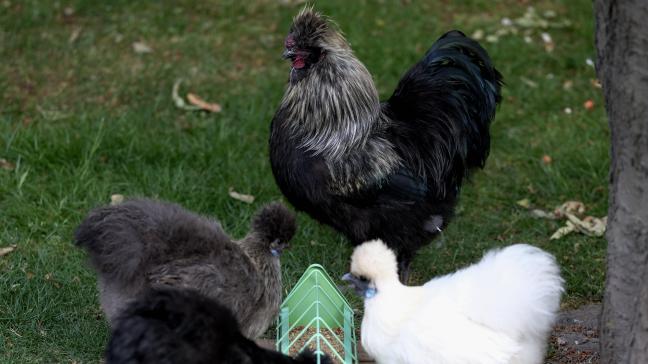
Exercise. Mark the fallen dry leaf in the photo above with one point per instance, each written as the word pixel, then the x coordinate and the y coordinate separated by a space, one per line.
pixel 589 62
pixel 568 110
pixel 531 19
pixel 74 35
pixel 15 332
pixel 478 34
pixel 596 83
pixel 141 48
pixel 202 104
pixel 546 159
pixel 524 203
pixel 116 199
pixel 567 85
pixel 549 44
pixel 589 104
pixel 543 214
pixel 571 211
pixel 529 82
pixel 563 231
pixel 6 250
pixel 240 196
pixel 492 38
pixel 570 207
pixel 505 31
pixel 591 226
pixel 179 101
pixel 549 14
pixel 52 115
pixel 6 165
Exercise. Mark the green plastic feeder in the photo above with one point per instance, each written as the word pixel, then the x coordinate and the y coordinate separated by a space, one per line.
pixel 316 304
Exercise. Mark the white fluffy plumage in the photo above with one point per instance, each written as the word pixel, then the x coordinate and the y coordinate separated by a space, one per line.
pixel 497 311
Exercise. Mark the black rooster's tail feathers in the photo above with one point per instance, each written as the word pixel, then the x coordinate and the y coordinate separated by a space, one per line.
pixel 477 87
pixel 445 104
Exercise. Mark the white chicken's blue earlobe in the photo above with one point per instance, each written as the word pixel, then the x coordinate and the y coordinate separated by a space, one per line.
pixel 370 292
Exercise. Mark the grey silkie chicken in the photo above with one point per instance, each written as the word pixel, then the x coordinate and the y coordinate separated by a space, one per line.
pixel 143 244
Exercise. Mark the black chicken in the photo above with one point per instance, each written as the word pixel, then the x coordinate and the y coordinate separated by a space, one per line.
pixel 169 326
pixel 389 170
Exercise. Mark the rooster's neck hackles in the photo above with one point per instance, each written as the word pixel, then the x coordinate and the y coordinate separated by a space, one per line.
pixel 334 112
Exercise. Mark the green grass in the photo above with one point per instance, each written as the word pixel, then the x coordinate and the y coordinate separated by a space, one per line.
pixel 85 118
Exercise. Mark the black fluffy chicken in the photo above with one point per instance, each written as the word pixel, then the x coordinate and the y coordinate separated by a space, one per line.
pixel 389 170
pixel 169 326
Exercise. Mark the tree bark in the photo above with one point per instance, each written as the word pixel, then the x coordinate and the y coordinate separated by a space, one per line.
pixel 622 44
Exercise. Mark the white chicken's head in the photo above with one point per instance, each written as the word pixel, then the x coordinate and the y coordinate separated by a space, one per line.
pixel 372 263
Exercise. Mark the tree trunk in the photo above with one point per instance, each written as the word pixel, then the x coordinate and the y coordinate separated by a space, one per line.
pixel 622 44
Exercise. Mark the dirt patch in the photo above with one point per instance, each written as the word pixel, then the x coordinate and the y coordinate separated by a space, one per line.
pixel 575 338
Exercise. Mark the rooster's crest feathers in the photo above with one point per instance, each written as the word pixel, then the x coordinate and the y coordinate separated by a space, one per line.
pixel 313 29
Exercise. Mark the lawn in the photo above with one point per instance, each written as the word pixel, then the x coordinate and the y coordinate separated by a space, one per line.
pixel 84 116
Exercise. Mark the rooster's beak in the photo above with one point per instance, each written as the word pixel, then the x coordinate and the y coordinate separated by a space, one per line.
pixel 288 53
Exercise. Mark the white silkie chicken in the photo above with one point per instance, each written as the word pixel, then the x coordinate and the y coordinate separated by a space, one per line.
pixel 498 311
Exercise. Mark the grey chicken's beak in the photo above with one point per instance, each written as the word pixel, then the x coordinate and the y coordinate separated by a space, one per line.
pixel 288 54
pixel 362 287
pixel 275 248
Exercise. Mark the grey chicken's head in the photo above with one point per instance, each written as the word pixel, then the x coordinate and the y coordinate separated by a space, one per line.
pixel 312 40
pixel 275 226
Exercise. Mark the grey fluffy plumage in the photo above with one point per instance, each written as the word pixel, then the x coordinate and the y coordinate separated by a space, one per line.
pixel 143 244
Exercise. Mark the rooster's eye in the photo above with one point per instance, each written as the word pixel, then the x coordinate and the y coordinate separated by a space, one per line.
pixel 290 42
